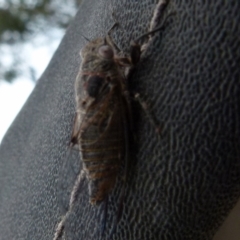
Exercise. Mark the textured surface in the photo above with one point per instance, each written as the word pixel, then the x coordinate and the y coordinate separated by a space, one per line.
pixel 183 183
pixel 230 228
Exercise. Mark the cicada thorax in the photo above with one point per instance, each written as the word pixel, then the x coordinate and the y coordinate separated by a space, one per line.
pixel 101 109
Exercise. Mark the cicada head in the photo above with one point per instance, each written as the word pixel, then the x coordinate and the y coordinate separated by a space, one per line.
pixel 98 57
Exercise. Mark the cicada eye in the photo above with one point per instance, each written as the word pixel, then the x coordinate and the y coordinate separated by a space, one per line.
pixel 94 85
pixel 105 51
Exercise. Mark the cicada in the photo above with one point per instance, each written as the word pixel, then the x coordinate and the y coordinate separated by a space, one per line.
pixel 103 117
pixel 102 121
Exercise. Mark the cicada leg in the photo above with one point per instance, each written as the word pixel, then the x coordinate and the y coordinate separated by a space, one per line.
pixel 150 116
pixel 74 194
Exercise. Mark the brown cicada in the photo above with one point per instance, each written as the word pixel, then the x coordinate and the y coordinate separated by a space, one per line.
pixel 103 117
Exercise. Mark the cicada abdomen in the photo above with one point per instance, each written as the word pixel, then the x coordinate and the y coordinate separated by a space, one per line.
pixel 102 117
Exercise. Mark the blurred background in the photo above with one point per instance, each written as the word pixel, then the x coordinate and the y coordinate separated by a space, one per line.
pixel 30 32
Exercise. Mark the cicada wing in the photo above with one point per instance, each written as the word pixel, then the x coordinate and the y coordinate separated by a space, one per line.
pixel 123 114
pixel 97 118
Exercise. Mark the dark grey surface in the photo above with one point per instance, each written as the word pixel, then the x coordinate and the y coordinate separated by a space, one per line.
pixel 183 184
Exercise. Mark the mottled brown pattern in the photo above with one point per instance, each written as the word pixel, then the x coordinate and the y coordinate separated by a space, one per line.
pixel 102 116
pixel 101 126
pixel 181 186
